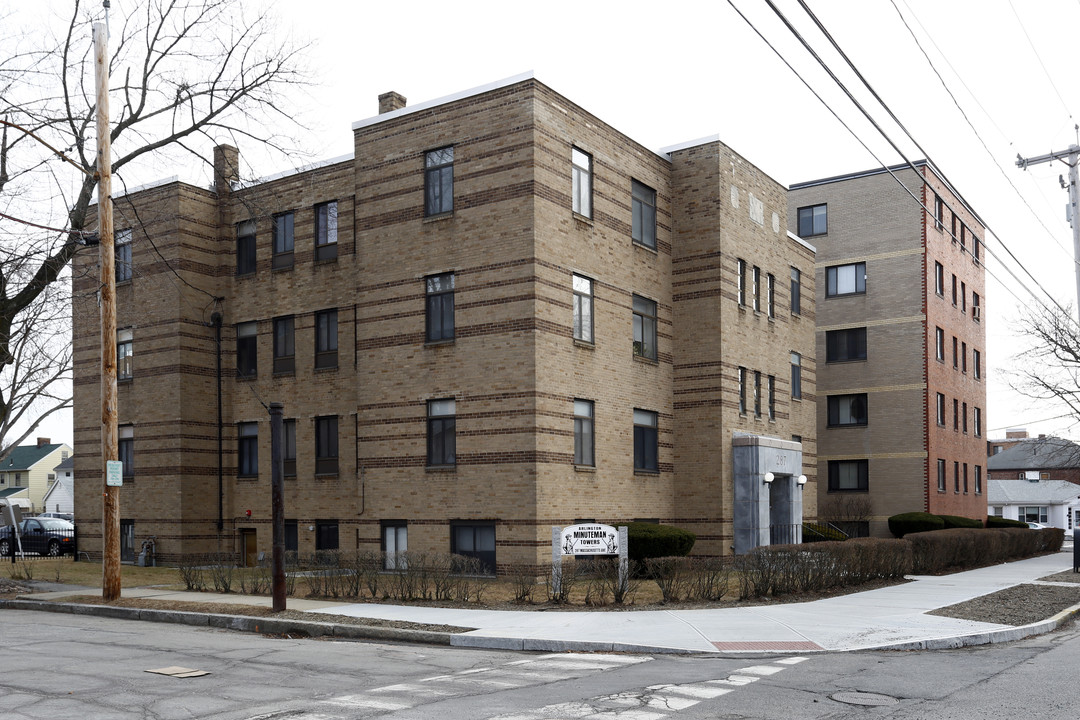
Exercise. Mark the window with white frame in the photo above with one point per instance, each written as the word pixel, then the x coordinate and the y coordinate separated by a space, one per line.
pixel 122 256
pixel 845 280
pixel 326 230
pixel 643 203
pixel 584 444
pixel 581 184
pixel 124 363
pixel 583 308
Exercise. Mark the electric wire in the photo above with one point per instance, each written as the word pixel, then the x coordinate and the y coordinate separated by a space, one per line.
pixel 982 142
pixel 1039 58
pixel 888 139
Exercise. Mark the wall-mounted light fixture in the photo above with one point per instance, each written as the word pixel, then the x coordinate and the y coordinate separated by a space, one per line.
pixel 769 477
pixel 802 479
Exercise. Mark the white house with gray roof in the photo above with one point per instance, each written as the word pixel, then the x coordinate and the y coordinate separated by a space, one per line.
pixel 1051 502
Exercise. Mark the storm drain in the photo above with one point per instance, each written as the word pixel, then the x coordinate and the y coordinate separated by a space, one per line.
pixel 863 698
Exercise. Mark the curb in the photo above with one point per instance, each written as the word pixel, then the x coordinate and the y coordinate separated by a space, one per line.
pixel 242 623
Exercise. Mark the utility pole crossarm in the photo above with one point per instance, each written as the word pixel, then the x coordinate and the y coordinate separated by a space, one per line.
pixel 1022 162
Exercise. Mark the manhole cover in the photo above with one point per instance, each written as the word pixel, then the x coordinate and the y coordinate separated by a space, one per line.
pixel 862 698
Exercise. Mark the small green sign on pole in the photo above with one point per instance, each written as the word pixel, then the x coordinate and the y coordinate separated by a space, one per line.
pixel 114 473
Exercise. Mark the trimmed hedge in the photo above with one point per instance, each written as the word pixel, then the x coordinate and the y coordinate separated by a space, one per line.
pixel 649 540
pixel 914 522
pixel 993 521
pixel 783 569
pixel 938 551
pixel 956 521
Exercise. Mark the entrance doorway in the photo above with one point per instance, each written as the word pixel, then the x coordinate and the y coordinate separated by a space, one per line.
pixel 250 553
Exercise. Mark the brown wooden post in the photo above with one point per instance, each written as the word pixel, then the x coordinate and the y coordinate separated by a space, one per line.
pixel 110 518
pixel 277 506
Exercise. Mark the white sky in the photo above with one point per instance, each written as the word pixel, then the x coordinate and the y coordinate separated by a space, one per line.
pixel 668 72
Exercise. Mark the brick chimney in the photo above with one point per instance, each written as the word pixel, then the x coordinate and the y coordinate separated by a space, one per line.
pixel 42 442
pixel 1016 434
pixel 226 168
pixel 390 101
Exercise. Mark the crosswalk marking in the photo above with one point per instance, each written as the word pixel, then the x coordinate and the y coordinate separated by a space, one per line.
pixel 738 680
pixel 761 670
pixel 362 701
pixel 791 661
pixel 705 692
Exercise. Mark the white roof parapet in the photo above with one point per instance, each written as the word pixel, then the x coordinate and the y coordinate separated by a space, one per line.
pixel 802 242
pixel 666 151
pixel 506 82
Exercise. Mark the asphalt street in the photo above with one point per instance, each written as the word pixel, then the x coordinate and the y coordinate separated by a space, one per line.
pixel 64 666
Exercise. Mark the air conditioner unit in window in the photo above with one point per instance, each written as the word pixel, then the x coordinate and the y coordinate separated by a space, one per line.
pixel 976 312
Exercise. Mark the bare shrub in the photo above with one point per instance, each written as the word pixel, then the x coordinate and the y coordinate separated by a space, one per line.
pixel 192 573
pixel 562 580
pixel 222 567
pixel 711 578
pixel 672 575
pixel 522 581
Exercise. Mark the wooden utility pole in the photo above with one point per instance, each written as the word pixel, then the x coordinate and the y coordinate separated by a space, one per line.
pixel 110 518
pixel 277 506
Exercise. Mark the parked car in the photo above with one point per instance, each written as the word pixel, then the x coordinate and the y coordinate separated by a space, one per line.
pixel 44 536
pixel 1037 526
pixel 70 517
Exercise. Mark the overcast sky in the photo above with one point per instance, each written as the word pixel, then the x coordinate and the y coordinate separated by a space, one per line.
pixel 668 72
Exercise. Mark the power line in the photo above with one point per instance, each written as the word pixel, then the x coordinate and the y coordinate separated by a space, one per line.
pixel 982 142
pixel 885 135
pixel 1039 58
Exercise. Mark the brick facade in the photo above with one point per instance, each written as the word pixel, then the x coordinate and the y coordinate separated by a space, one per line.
pixel 513 367
pixel 876 221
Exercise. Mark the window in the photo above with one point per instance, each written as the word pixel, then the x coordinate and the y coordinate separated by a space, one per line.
pixel 954 290
pixel 976 361
pixel 796 376
pixel 848 475
pixel 756 279
pixel 956 476
pixel 978 479
pixel 939 213
pixel 476 541
pixel 441 432
pixel 965 478
pixel 247 449
pixel 953 226
pixel 796 292
pixel 847 410
pixel 124 364
pixel 284 345
pixel 813 220
pixel 326 445
pixel 941 409
pixel 742 390
pixel 975 251
pixel 583 433
pixel 644 327
pixel 940 475
pixel 125 446
pixel 122 261
pixel 757 393
pixel 581 192
pixel 292 536
pixel 583 309
pixel 245 247
pixel 326 227
pixel 770 294
pixel 998 510
pixel 976 309
pixel 963 297
pixel 955 354
pixel 772 397
pixel 283 240
pixel 288 454
pixel 845 280
pixel 963 417
pixel 326 339
pixel 741 279
pixel 963 357
pixel 955 415
pixel 845 345
pixel 326 534
pixel 1033 514
pixel 963 237
pixel 939 279
pixel 977 421
pixel 440 307
pixel 439 181
pixel 939 336
pixel 646 440
pixel 395 543
pixel 643 203
pixel 247 354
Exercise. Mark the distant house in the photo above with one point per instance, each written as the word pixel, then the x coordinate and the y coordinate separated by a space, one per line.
pixel 60 497
pixel 1051 502
pixel 28 470
pixel 1041 458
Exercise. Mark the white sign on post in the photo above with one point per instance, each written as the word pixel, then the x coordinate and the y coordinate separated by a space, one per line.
pixel 114 473
pixel 590 540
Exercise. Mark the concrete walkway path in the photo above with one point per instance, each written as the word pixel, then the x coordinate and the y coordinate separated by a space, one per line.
pixel 890 617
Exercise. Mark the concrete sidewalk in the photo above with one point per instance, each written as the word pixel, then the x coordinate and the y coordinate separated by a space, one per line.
pixel 887 618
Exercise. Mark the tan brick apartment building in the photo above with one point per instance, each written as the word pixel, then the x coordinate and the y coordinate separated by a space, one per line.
pixel 500 314
pixel 900 342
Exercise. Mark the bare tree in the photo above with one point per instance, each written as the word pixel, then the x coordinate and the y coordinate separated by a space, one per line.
pixel 184 74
